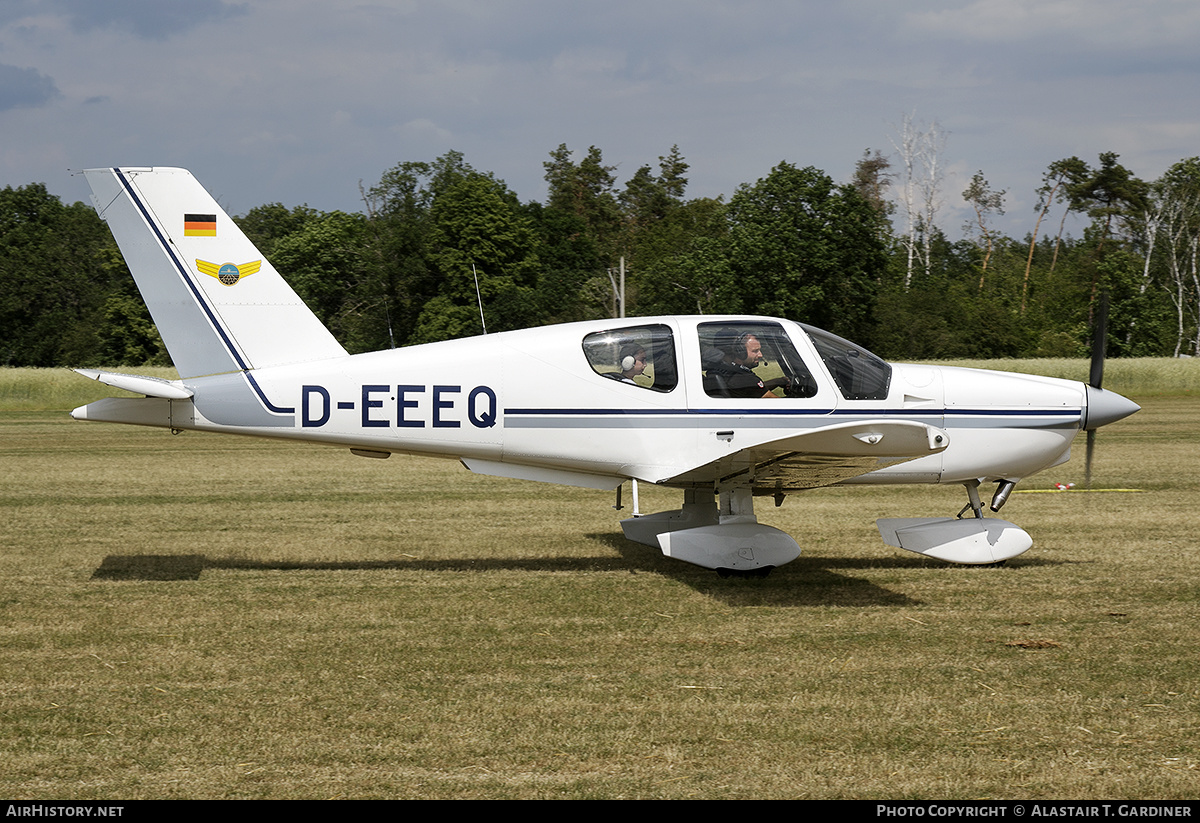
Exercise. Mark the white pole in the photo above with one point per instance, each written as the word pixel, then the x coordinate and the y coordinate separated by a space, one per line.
pixel 622 285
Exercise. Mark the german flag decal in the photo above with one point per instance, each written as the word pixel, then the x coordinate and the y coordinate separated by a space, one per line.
pixel 199 225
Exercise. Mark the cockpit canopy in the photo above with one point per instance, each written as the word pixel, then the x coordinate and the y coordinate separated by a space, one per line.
pixel 739 358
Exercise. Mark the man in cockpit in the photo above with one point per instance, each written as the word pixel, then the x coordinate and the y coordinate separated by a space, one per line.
pixel 729 370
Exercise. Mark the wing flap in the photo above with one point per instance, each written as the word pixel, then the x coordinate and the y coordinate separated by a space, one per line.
pixel 542 474
pixel 819 457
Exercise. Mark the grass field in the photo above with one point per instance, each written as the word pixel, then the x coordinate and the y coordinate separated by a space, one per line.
pixel 199 616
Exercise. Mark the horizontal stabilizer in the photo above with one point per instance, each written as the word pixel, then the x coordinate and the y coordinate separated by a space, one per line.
pixel 140 384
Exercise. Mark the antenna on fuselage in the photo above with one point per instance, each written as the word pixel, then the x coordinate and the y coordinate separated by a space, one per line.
pixel 482 322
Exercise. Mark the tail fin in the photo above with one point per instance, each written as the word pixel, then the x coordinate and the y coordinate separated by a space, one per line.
pixel 218 304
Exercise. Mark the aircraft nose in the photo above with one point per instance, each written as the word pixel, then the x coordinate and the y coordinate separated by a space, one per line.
pixel 1104 407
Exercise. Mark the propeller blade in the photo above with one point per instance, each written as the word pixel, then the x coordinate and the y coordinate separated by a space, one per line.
pixel 1087 460
pixel 1099 342
pixel 1096 374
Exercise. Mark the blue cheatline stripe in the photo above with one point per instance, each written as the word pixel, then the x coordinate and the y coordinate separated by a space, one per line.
pixel 864 413
pixel 263 397
pixel 1064 413
pixel 642 412
pixel 182 270
pixel 757 418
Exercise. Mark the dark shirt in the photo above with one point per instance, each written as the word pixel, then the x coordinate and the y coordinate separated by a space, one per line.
pixel 732 380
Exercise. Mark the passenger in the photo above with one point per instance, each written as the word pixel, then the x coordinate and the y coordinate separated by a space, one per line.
pixel 632 362
pixel 732 374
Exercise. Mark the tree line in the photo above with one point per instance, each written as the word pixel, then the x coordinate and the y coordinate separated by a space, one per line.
pixel 865 259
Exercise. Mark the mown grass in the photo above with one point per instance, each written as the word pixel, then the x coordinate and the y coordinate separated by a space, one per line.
pixel 339 627
pixel 29 389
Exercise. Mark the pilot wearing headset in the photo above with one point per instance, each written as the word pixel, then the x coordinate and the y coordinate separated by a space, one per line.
pixel 733 375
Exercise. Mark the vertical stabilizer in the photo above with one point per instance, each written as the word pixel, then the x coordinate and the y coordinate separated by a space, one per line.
pixel 219 305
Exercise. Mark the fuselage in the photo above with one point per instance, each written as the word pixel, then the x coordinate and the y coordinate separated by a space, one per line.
pixel 554 400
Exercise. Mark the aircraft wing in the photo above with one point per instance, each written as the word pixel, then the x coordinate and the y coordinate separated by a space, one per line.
pixel 819 457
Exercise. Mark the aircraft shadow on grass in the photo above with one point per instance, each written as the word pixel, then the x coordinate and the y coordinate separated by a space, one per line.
pixel 810 581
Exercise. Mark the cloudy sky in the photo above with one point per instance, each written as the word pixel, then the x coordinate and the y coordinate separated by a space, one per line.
pixel 296 101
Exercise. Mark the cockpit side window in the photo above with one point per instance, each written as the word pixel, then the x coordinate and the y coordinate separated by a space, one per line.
pixel 752 360
pixel 641 356
pixel 859 374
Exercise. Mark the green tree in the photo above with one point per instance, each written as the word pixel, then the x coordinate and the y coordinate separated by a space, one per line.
pixel 397 247
pixel 579 232
pixel 649 203
pixel 1171 247
pixel 479 231
pixel 58 267
pixel 266 225
pixel 127 335
pixel 586 190
pixel 570 261
pixel 872 178
pixel 325 262
pixel 398 216
pixel 689 274
pixel 985 201
pixel 1057 179
pixel 804 248
pixel 1111 196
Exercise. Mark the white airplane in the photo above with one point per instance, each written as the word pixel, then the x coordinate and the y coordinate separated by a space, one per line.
pixel 725 409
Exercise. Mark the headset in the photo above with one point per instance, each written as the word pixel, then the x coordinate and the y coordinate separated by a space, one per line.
pixel 733 343
pixel 629 356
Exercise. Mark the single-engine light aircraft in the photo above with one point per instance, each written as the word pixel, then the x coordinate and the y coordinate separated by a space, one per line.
pixel 723 408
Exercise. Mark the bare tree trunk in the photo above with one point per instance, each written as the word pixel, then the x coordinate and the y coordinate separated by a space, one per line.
pixel 920 154
pixel 1058 239
pixel 1033 243
pixel 909 137
pixel 1195 248
pixel 934 143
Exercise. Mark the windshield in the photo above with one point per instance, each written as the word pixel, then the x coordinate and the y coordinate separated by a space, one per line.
pixel 859 374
